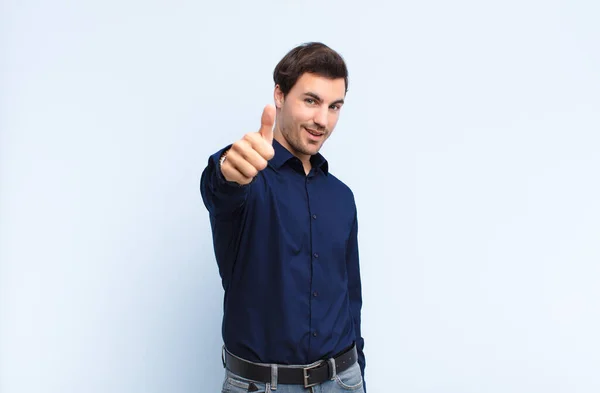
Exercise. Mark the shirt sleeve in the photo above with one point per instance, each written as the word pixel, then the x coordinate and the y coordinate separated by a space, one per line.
pixel 221 197
pixel 355 292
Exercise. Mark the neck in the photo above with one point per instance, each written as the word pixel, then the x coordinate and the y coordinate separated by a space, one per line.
pixel 304 158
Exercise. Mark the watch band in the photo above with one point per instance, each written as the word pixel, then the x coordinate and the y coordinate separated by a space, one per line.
pixel 223 157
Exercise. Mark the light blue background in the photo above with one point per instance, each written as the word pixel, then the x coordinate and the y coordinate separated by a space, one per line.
pixel 470 138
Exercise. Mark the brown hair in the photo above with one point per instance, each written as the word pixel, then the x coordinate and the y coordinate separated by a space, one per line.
pixel 312 57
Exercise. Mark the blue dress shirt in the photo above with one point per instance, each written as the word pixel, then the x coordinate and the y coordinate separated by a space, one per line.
pixel 287 250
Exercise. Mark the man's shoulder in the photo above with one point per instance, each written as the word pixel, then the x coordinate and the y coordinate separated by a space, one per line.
pixel 340 186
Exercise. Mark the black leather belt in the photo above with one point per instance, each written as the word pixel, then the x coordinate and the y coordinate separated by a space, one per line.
pixel 307 375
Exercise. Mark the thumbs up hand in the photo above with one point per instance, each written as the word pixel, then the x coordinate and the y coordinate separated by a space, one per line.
pixel 249 155
pixel 267 121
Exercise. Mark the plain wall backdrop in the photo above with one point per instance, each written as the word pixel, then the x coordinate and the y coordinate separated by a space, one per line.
pixel 470 138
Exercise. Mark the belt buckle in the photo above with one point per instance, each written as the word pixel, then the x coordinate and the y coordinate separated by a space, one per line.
pixel 305 370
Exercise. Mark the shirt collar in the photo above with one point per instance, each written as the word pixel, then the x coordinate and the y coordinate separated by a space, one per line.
pixel 282 155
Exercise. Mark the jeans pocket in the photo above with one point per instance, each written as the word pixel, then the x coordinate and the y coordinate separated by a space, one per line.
pixel 236 384
pixel 350 379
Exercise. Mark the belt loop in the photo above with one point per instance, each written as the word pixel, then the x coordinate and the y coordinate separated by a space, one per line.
pixel 333 368
pixel 273 376
pixel 223 356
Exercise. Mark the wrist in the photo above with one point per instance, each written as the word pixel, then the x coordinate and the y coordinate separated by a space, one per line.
pixel 223 158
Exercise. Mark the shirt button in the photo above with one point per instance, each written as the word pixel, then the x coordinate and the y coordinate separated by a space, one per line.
pixel 315 293
pixel 315 334
pixel 315 255
pixel 314 216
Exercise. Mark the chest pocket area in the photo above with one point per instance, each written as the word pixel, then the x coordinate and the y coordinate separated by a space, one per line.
pixel 335 226
pixel 293 222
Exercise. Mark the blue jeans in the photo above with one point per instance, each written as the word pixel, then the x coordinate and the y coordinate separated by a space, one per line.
pixel 347 381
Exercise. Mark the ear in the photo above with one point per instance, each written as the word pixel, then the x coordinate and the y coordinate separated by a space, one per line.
pixel 278 96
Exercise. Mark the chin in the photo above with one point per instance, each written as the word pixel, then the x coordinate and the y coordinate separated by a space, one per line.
pixel 313 150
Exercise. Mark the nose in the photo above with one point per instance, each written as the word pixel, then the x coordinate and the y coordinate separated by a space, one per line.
pixel 320 118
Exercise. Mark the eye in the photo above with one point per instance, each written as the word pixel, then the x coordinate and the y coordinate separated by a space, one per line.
pixel 335 107
pixel 309 101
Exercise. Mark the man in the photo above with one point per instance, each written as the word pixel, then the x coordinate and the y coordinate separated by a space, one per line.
pixel 285 240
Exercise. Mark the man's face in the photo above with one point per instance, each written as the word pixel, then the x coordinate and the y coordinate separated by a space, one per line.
pixel 308 114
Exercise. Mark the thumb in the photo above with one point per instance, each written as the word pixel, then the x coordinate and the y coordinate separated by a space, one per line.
pixel 266 123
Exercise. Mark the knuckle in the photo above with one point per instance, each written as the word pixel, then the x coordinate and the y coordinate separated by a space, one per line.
pixel 246 169
pixel 240 145
pixel 261 165
pixel 269 152
pixel 236 146
pixel 253 172
pixel 253 141
pixel 249 136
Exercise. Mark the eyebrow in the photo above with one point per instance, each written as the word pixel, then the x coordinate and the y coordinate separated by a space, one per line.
pixel 316 97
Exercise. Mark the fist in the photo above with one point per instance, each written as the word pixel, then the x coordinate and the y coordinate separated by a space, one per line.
pixel 250 155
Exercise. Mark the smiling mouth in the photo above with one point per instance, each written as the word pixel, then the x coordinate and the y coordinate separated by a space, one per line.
pixel 313 132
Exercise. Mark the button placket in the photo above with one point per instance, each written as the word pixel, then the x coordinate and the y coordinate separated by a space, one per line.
pixel 314 244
